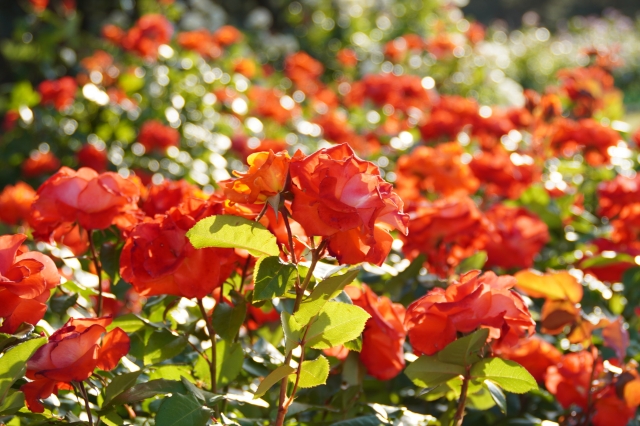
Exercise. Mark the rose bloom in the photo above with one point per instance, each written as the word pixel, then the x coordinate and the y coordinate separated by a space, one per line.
pixel 611 271
pixel 69 199
pixel 156 136
pixel 227 35
pixel 158 258
pixel 447 231
pixel 434 170
pixel 475 33
pixel 569 380
pixel 257 317
pixel 447 118
pixel 347 57
pixel 15 203
pixel 93 157
pixel 149 32
pixel 517 236
pixel 246 67
pixel 10 119
pixel 200 41
pixel 266 103
pixel 626 225
pixel 340 197
pixel 26 281
pixel 336 128
pixel 39 5
pixel 160 198
pixel 40 163
pixel 477 301
pixel 383 335
pixel 403 92
pixel 586 136
pixel 73 352
pixel 304 71
pixel 615 194
pixel 265 178
pixel 534 354
pixel 100 62
pixel 504 174
pixel 58 93
pixel 396 50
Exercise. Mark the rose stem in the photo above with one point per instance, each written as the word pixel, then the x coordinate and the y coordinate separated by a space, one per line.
pixel 213 361
pixel 457 420
pixel 86 401
pixel 96 263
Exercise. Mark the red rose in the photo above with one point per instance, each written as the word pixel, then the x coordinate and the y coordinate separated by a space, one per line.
pixel 570 380
pixel 447 230
pixel 517 236
pixel 610 271
pixel 347 57
pixel 59 93
pixel 149 32
pixel 477 301
pixel 15 203
pixel 304 71
pixel 158 258
pixel 73 352
pixel 26 279
pixel 615 194
pixel 344 199
pixel 227 35
pixel 92 157
pixel 383 335
pixel 85 198
pixel 156 136
pixel 501 176
pixel 40 163
pixel 162 197
pixel 534 354
pixel 200 41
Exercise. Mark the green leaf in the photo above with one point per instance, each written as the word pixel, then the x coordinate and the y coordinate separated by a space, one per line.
pixel 59 304
pixel 497 395
pixel 274 377
pixel 429 371
pixel 112 419
pixel 314 373
pixel 118 385
pixel 171 372
pixel 161 345
pixel 229 359
pixel 23 95
pixel 182 410
pixel 322 293
pixel 13 402
pixel 129 323
pixel 509 375
pixel 273 278
pixel 292 331
pixel 475 261
pixel 228 319
pixel 336 324
pixel 13 363
pixel 228 231
pixel 146 390
pixel 354 345
pixel 464 351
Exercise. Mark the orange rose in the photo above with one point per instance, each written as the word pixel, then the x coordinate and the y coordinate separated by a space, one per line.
pixel 85 198
pixel 448 117
pixel 26 280
pixel 447 230
pixel 158 258
pixel 265 178
pixel 501 176
pixel 534 354
pixel 517 236
pixel 200 41
pixel 383 334
pixel 15 203
pixel 343 198
pixel 477 301
pixel 570 380
pixel 615 194
pixel 586 136
pixel 149 32
pixel 93 157
pixel 73 352
pixel 40 163
pixel 439 169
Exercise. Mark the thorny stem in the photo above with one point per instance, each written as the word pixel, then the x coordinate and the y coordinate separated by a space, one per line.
pixel 98 266
pixel 86 401
pixel 457 420
pixel 283 401
pixel 213 361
